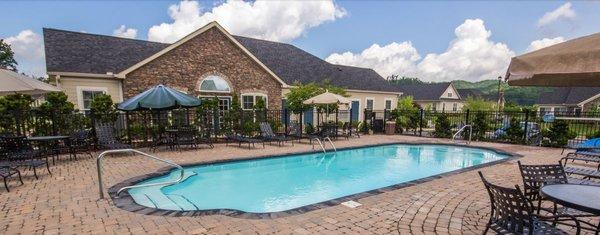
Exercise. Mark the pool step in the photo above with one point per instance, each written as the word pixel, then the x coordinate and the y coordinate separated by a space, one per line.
pixel 153 197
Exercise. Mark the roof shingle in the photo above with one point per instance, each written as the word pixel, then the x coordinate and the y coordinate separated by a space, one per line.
pixel 89 53
pixel 568 95
pixel 428 91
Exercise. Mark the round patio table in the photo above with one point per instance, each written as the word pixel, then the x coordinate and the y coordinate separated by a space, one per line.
pixel 580 197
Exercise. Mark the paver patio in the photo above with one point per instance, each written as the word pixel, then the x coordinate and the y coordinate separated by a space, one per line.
pixel 67 202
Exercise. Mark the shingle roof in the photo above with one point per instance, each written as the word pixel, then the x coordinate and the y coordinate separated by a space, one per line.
pixel 293 64
pixel 429 91
pixel 465 93
pixel 568 95
pixel 68 51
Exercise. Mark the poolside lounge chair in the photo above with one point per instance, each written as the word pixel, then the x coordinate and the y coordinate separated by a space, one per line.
pixel 512 213
pixel 17 152
pixel 237 138
pixel 106 137
pixel 296 132
pixel 588 145
pixel 268 135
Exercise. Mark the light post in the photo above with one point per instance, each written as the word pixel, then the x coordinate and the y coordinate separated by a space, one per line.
pixel 500 98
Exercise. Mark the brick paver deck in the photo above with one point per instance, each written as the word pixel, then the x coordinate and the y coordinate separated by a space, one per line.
pixel 67 202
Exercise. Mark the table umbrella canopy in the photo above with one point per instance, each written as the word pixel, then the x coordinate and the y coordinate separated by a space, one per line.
pixel 572 63
pixel 14 83
pixel 157 98
pixel 327 98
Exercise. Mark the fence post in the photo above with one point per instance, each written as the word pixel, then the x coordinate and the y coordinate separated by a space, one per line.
pixel 301 121
pixel 365 129
pixel 53 117
pixel 285 122
pixel 526 124
pixel 421 114
pixel 467 117
pixel 127 123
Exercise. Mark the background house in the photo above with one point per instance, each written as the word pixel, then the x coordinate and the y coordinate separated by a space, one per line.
pixel 206 63
pixel 434 96
pixel 569 100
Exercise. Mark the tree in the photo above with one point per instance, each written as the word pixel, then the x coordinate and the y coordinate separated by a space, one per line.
pixel 480 125
pixel 301 92
pixel 407 115
pixel 13 109
pixel 479 104
pixel 514 132
pixel 396 79
pixel 7 57
pixel 103 108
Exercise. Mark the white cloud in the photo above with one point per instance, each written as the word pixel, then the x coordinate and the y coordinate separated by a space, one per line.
pixel 470 56
pixel 29 52
pixel 125 32
pixel 544 42
pixel 271 20
pixel 562 12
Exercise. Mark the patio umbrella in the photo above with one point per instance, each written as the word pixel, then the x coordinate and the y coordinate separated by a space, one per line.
pixel 327 98
pixel 158 98
pixel 14 83
pixel 572 63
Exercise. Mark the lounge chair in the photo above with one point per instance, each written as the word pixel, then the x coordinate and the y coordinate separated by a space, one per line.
pixel 268 135
pixel 17 152
pixel 106 137
pixel 296 132
pixel 237 138
pixel 512 213
pixel 588 145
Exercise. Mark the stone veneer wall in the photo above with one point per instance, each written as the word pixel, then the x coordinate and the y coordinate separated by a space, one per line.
pixel 206 54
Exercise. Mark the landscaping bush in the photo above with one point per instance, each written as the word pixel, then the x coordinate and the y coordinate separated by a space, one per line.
pixel 13 109
pixel 103 109
pixel 558 134
pixel 514 133
pixel 309 128
pixel 480 125
pixel 443 129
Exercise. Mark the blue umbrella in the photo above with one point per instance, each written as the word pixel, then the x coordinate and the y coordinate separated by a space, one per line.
pixel 158 98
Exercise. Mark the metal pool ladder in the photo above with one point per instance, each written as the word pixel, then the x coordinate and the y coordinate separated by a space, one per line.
pixel 99 166
pixel 321 144
pixel 461 130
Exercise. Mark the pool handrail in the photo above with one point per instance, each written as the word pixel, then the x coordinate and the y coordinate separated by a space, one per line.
pixel 461 130
pixel 99 167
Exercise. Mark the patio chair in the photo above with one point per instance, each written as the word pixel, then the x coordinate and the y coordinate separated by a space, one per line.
pixel 204 137
pixel 7 172
pixel 268 135
pixel 186 135
pixel 106 137
pixel 512 213
pixel 242 140
pixel 536 176
pixel 80 141
pixel 18 153
pixel 296 132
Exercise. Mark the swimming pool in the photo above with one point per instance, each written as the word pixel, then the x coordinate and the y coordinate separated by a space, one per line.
pixel 284 183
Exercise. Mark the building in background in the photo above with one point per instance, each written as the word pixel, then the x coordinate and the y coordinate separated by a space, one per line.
pixel 208 62
pixel 434 96
pixel 569 100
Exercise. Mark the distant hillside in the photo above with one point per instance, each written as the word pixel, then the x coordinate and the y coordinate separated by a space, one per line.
pixel 513 94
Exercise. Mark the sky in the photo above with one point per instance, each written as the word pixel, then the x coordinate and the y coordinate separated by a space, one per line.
pixel 431 40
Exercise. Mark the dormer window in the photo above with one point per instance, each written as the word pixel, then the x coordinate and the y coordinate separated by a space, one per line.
pixel 449 94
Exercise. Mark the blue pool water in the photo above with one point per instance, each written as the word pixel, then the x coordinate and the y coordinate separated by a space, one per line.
pixel 284 183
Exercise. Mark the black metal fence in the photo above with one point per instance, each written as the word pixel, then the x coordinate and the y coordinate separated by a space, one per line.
pixel 139 127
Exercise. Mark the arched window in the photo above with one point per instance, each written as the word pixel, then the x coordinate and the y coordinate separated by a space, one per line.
pixel 214 83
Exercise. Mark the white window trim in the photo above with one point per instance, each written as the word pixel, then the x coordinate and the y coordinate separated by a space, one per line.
pixel 367 103
pixel 385 101
pixel 81 89
pixel 254 94
pixel 199 84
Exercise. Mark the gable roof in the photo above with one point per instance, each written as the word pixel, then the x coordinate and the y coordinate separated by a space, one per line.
pixel 569 95
pixel 470 92
pixel 66 50
pixel 76 52
pixel 428 91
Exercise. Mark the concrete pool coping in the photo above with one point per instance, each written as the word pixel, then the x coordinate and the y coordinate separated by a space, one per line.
pixel 126 202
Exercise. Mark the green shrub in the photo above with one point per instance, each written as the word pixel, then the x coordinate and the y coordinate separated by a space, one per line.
pixel 559 134
pixel 480 125
pixel 103 108
pixel 11 105
pixel 309 128
pixel 442 126
pixel 514 133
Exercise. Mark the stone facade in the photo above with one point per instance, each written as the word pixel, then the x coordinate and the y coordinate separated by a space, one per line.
pixel 209 53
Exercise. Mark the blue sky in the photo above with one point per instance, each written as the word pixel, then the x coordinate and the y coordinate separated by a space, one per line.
pixel 412 38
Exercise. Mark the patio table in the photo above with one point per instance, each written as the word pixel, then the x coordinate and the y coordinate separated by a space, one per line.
pixel 585 198
pixel 49 144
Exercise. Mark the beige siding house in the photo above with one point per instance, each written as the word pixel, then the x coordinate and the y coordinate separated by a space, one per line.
pixel 435 96
pixel 569 100
pixel 206 63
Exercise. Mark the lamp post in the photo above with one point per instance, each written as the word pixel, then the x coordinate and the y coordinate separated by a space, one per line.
pixel 500 98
